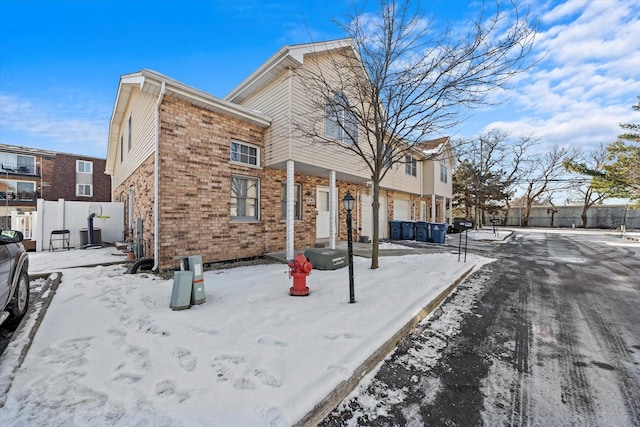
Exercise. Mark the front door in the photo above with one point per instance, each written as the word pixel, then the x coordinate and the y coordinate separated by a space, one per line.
pixel 322 212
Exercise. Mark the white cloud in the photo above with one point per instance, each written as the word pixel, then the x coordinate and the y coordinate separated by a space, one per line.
pixel 585 85
pixel 70 124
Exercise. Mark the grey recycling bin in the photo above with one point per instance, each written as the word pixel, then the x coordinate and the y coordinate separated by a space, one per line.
pixel 84 236
pixel 396 229
pixel 408 231
pixel 438 232
pixel 181 292
pixel 193 263
pixel 422 231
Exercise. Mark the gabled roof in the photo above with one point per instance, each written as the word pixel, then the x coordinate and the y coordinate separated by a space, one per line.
pixel 150 82
pixel 433 147
pixel 285 58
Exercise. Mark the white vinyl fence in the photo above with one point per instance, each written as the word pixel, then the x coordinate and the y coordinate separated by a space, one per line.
pixel 73 216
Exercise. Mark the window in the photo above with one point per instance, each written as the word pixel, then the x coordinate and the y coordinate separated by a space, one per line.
pixel 410 166
pixel 129 136
pixel 244 198
pixel 443 172
pixel 17 190
pixel 297 194
pixel 84 190
pixel 388 157
pixel 16 163
pixel 340 122
pixel 83 166
pixel 244 153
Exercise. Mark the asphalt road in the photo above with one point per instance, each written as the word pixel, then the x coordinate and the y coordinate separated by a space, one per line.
pixel 547 335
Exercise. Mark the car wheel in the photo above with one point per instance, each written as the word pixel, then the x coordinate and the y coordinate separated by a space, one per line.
pixel 20 301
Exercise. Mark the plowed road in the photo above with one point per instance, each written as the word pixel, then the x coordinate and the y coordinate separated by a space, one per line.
pixel 547 335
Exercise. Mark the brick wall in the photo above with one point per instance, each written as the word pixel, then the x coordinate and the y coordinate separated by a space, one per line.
pixel 194 192
pixel 60 172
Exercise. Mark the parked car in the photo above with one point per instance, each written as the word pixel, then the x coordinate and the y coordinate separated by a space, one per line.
pixel 14 279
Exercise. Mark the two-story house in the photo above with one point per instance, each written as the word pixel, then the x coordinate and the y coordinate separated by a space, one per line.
pixel 229 178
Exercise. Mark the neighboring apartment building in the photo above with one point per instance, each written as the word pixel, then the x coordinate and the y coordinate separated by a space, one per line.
pixel 228 178
pixel 27 174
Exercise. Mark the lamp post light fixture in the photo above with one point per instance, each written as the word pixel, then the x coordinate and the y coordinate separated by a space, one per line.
pixel 348 202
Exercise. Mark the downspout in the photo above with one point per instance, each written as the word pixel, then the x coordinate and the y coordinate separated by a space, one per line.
pixel 156 180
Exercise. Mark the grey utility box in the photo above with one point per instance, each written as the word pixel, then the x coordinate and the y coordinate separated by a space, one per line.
pixel 327 259
pixel 181 293
pixel 194 264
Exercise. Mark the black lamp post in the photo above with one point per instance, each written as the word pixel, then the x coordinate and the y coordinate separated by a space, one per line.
pixel 348 205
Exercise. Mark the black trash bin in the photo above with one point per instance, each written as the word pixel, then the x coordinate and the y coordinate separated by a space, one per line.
pixel 422 231
pixel 408 230
pixel 396 229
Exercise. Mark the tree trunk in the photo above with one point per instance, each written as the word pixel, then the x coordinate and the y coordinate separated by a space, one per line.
pixel 376 223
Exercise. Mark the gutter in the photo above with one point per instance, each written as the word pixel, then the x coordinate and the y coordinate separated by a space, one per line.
pixel 156 180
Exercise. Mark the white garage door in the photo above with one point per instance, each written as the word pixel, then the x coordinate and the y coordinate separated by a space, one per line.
pixel 367 216
pixel 402 209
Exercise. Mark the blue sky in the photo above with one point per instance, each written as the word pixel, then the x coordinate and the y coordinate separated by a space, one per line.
pixel 60 61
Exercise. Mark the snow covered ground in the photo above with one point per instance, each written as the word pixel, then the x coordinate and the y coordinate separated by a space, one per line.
pixel 110 351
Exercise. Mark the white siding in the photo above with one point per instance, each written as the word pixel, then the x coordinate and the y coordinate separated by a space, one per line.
pixel 273 101
pixel 142 110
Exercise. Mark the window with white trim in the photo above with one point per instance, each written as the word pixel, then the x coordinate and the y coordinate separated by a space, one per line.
pixel 244 198
pixel 297 194
pixel 340 122
pixel 82 166
pixel 17 163
pixel 411 167
pixel 444 171
pixel 84 190
pixel 245 153
pixel 17 190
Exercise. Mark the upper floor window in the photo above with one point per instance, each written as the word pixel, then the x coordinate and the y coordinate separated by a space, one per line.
pixel 129 136
pixel 82 166
pixel 297 195
pixel 340 122
pixel 16 163
pixel 244 198
pixel 444 172
pixel 411 167
pixel 121 147
pixel 84 190
pixel 245 153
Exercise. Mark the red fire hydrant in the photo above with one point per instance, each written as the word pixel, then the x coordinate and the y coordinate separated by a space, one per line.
pixel 299 269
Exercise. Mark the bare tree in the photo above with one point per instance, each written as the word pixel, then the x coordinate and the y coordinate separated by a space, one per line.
pixel 404 81
pixel 515 160
pixel 592 190
pixel 543 175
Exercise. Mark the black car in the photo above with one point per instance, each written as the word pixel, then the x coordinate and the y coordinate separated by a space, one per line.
pixel 14 280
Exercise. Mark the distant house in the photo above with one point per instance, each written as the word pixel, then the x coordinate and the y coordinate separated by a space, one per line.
pixel 27 174
pixel 228 178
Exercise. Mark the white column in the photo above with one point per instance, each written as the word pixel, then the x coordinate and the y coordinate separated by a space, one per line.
pixel 332 210
pixel 291 202
pixel 433 208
